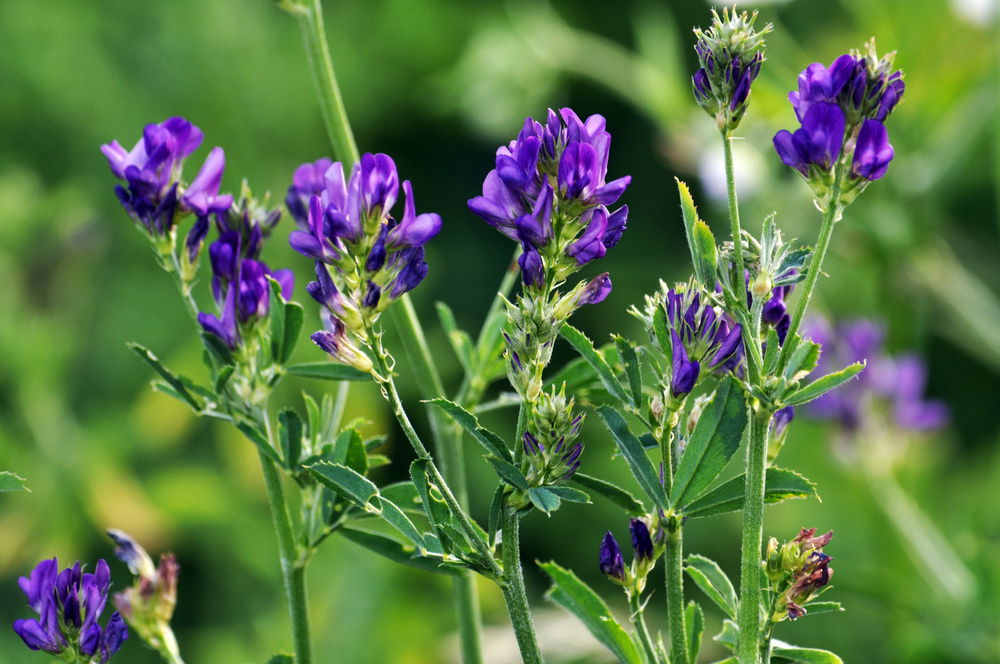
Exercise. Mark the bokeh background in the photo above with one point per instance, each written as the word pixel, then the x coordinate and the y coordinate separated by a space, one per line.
pixel 438 84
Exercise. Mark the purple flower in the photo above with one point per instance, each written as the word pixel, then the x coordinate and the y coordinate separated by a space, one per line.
pixel 642 543
pixel 595 291
pixel 334 341
pixel 611 562
pixel 224 326
pixel 531 444
pixel 700 336
pixel 817 143
pixel 819 84
pixel 898 383
pixel 413 230
pixel 69 604
pixel 872 153
pixel 309 180
pixel 779 423
pixel 379 184
pixel 202 195
pixel 589 245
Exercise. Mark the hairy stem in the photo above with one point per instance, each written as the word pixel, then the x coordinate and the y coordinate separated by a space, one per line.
pixel 753 533
pixel 734 210
pixel 673 562
pixel 513 590
pixel 639 622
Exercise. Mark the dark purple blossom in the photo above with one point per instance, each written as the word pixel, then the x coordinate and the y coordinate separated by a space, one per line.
pixel 595 291
pixel 873 152
pixel 817 143
pixel 642 543
pixel 309 180
pixel 202 195
pixel 611 562
pixel 700 337
pixel 69 605
pixel 225 325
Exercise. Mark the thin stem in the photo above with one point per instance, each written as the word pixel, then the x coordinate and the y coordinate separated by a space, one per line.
pixel 174 268
pixel 672 559
pixel 168 648
pixel 331 105
pixel 734 210
pixel 639 622
pixel 513 590
pixel 293 570
pixel 830 217
pixel 753 533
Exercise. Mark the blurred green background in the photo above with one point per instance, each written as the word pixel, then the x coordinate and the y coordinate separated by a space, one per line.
pixel 439 84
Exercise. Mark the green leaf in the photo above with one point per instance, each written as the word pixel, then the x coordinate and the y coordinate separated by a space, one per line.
pixel 397 552
pixel 635 455
pixel 225 373
pixel 258 439
pixel 714 582
pixel 404 494
pixel 780 484
pixel 492 442
pixel 576 597
pixel 344 480
pixel 543 499
pixel 509 473
pixel 695 622
pixel 772 352
pixel 293 326
pixel 290 435
pixel 11 482
pixel 823 607
pixel 729 637
pixel 615 494
pixel 585 348
pixel 276 308
pixel 496 512
pixel 713 443
pixel 357 455
pixel 576 373
pixel 217 349
pixel 172 380
pixel 706 263
pixel 398 520
pixel 327 371
pixel 633 371
pixel 661 332
pixel 569 494
pixel 437 511
pixel 803 360
pixel 819 387
pixel 281 659
pixel 804 655
pixel 460 340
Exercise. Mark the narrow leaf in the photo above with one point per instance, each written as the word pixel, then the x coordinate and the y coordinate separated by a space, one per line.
pixel 780 485
pixel 276 309
pixel 496 511
pixel 569 494
pixel 509 473
pixel 397 552
pixel 633 371
pixel 225 373
pixel 706 263
pixel 772 352
pixel 729 637
pixel 713 443
pixel 803 360
pixel 11 482
pixel 257 439
pixel 615 494
pixel 326 371
pixel 577 597
pixel 695 621
pixel 819 387
pixel 398 520
pixel 635 455
pixel 814 608
pixel 293 326
pixel 489 440
pixel 585 348
pixel 403 494
pixel 804 655
pixel 174 382
pixel 714 582
pixel 357 455
pixel 543 499
pixel 344 480
pixel 461 342
pixel 217 349
pixel 290 435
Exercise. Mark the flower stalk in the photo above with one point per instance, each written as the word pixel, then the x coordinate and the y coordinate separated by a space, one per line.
pixel 513 590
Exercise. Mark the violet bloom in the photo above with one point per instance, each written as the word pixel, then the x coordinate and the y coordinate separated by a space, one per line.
pixel 896 384
pixel 611 562
pixel 701 337
pixel 642 543
pixel 873 152
pixel 69 604
pixel 202 195
pixel 817 143
pixel 309 180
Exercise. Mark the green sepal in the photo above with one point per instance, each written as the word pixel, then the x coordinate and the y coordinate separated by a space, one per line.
pixel 217 349
pixel 12 482
pixel 821 386
pixel 509 473
pixel 399 552
pixel 779 485
pixel 785 651
pixel 461 342
pixel 712 444
pixel 585 347
pixel 290 436
pixel 713 582
pixel 694 619
pixel 615 494
pixel 259 440
pixel 569 592
pixel 327 371
pixel 543 499
pixel 492 442
pixel 635 455
pixel 633 371
pixel 173 381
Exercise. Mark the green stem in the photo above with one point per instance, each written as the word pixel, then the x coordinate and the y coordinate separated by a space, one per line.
pixel 734 210
pixel 310 17
pixel 639 622
pixel 167 647
pixel 673 562
pixel 184 288
pixel 753 533
pixel 830 217
pixel 293 569
pixel 513 590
